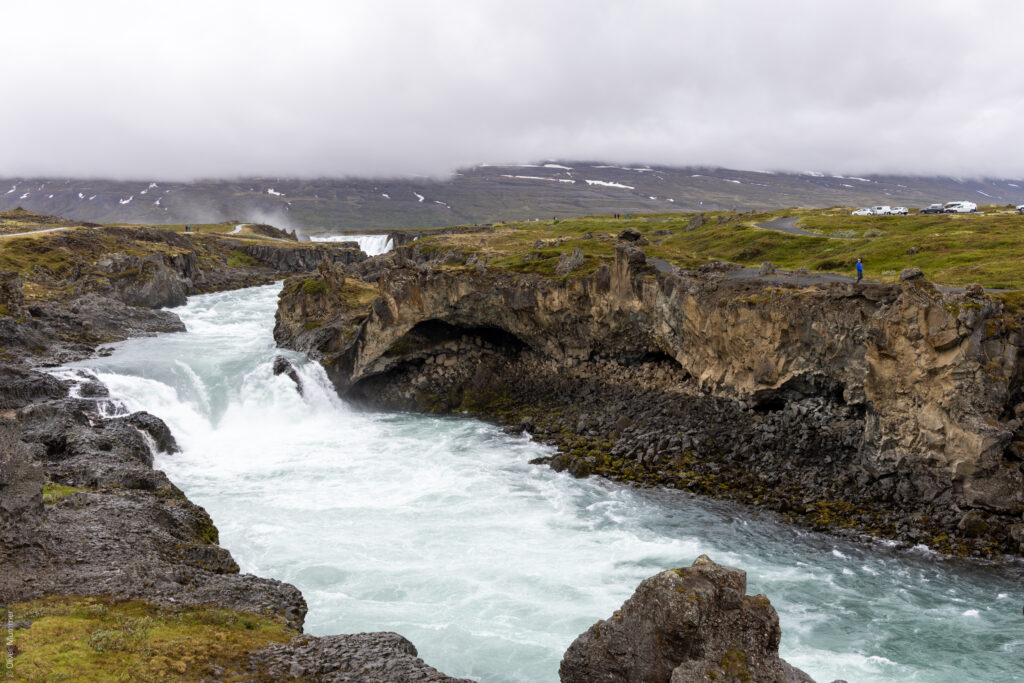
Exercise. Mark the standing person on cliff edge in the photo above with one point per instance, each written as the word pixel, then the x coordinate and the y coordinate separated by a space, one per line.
pixel 860 270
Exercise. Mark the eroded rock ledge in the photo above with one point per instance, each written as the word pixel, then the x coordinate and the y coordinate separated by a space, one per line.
pixel 888 409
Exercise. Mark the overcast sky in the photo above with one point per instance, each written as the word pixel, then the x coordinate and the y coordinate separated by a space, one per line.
pixel 183 89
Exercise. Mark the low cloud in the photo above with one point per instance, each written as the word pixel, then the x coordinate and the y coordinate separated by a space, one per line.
pixel 192 90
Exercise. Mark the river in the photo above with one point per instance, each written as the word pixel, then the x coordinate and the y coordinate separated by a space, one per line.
pixel 440 529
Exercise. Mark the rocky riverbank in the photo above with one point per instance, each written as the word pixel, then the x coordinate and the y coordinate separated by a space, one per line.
pixel 888 410
pixel 88 525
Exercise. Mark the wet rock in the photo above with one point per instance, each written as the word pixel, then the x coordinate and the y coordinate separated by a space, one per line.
pixel 687 624
pixel 283 367
pixel 156 428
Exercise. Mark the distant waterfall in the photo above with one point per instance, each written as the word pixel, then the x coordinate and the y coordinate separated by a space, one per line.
pixel 371 244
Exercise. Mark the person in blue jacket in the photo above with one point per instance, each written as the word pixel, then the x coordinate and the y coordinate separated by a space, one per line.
pixel 860 270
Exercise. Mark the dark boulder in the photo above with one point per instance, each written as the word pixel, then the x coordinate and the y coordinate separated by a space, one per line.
pixel 688 624
pixel 156 428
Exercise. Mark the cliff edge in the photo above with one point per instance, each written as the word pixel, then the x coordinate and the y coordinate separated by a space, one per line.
pixel 892 409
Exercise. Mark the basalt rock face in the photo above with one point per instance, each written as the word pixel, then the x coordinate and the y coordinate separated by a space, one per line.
pixel 93 286
pixel 683 626
pixel 306 259
pixel 122 528
pixel 894 409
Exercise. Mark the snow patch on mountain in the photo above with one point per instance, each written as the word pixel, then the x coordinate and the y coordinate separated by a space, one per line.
pixel 607 184
pixel 537 177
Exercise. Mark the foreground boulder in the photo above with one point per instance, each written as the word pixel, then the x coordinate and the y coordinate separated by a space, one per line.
pixel 688 624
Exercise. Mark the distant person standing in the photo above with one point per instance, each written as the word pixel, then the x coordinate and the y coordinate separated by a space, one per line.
pixel 860 270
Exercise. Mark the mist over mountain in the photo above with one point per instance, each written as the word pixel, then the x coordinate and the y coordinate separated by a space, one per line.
pixel 485 193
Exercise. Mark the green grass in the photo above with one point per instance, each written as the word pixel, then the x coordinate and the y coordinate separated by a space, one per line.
pixel 314 286
pixel 950 249
pixel 239 259
pixel 91 639
pixel 219 228
pixel 54 493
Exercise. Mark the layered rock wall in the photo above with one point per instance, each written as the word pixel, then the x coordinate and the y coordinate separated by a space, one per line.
pixel 934 378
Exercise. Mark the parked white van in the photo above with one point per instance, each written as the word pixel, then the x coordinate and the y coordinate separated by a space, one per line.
pixel 881 210
pixel 960 207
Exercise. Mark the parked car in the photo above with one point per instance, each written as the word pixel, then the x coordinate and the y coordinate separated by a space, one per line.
pixel 960 207
pixel 881 210
pixel 862 212
pixel 932 208
pixel 899 211
pixel 1020 208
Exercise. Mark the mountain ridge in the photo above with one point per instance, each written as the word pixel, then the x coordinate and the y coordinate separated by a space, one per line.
pixel 484 193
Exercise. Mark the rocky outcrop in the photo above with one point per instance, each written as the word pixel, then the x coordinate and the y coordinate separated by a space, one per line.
pixel 117 526
pixel 368 657
pixel 930 382
pixel 569 262
pixel 683 626
pixel 307 258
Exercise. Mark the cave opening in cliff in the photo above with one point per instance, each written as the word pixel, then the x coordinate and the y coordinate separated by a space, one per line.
pixel 800 389
pixel 429 334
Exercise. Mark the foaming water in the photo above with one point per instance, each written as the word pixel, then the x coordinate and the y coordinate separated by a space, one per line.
pixel 441 530
pixel 372 245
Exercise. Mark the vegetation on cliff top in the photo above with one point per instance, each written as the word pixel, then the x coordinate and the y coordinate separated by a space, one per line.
pixel 75 638
pixel 953 249
pixel 45 260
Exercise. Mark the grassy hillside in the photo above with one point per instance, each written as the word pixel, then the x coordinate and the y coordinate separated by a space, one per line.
pixel 951 249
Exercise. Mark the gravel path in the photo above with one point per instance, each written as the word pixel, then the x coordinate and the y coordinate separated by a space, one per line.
pixel 35 232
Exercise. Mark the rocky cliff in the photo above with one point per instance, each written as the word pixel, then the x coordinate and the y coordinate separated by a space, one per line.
pixel 892 409
pixel 64 292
